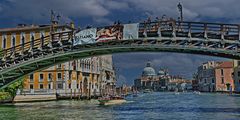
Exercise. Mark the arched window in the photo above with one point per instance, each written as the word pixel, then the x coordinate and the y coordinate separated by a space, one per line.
pixel 42 35
pixel 13 40
pixel 32 39
pixel 4 42
pixel 22 39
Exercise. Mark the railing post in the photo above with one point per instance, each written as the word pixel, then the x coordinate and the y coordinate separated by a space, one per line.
pixel 145 30
pixel 189 30
pixel 60 39
pixel 174 29
pixel 205 31
pixel 222 32
pixel 159 29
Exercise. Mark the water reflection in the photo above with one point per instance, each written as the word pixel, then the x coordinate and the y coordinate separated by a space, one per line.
pixel 146 106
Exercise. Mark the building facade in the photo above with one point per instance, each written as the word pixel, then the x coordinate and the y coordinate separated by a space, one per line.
pixel 82 77
pixel 215 76
pixel 236 75
pixel 206 76
pixel 179 84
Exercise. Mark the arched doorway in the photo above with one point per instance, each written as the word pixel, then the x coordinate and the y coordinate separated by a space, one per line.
pixel 85 86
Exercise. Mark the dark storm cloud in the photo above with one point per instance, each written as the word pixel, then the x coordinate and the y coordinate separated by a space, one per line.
pixel 193 9
pixel 39 9
pixel 100 10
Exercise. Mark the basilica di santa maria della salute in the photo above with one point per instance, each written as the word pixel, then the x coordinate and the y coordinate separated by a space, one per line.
pixel 152 80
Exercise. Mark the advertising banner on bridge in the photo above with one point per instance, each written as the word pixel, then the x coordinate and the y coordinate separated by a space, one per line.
pixel 85 36
pixel 110 33
pixel 130 31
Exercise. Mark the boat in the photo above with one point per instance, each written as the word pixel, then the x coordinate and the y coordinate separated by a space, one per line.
pixel 176 92
pixel 197 92
pixel 111 100
pixel 147 91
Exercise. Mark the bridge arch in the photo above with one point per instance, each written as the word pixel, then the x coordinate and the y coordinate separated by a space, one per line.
pixel 111 47
pixel 25 59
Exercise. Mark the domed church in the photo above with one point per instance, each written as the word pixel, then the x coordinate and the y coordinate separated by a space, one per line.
pixel 152 80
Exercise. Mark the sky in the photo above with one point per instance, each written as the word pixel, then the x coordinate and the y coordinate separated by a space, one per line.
pixel 105 12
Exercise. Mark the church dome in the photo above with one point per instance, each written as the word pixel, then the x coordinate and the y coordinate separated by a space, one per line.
pixel 148 70
pixel 161 72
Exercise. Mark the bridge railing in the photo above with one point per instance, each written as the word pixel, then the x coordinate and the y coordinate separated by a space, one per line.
pixel 172 28
pixel 169 28
pixel 36 46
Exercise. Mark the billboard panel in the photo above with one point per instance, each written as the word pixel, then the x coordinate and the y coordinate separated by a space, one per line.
pixel 130 31
pixel 109 33
pixel 85 36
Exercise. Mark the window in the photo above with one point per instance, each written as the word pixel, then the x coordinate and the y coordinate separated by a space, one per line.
pixel 31 86
pixel 213 81
pixel 41 86
pixel 22 38
pixel 32 39
pixel 205 80
pixel 49 76
pixel 31 77
pixel 238 73
pixel 222 80
pixel 13 40
pixel 74 65
pixel 23 41
pixel 204 67
pixel 49 86
pixel 4 41
pixel 222 72
pixel 59 66
pixel 59 76
pixel 60 86
pixel 70 75
pixel 41 77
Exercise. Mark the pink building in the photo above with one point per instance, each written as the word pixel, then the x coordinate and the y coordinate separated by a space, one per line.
pixel 223 76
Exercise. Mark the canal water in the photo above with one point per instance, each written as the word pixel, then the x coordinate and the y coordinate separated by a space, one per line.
pixel 153 106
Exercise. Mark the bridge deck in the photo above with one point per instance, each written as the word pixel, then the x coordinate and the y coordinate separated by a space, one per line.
pixel 207 38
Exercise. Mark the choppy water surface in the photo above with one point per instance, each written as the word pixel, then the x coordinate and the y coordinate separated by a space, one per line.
pixel 152 106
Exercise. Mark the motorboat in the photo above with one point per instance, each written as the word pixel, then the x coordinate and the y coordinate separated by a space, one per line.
pixel 147 91
pixel 111 100
pixel 197 92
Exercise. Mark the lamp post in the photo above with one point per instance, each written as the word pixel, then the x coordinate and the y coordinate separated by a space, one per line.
pixel 180 11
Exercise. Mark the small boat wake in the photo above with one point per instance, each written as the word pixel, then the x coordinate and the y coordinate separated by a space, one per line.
pixel 111 100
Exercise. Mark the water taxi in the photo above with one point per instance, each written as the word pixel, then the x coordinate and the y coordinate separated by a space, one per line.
pixel 111 100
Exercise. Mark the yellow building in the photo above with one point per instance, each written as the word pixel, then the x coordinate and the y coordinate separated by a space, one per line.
pixel 10 37
pixel 86 77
